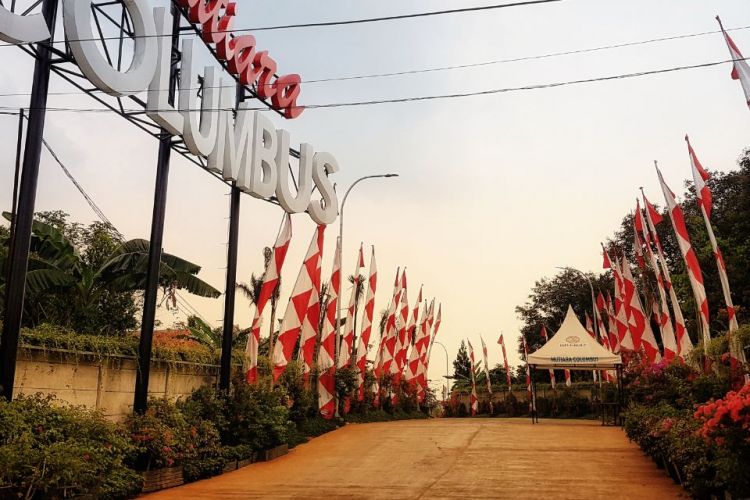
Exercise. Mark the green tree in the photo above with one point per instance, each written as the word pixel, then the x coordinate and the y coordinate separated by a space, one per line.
pixel 462 365
pixel 548 303
pixel 90 280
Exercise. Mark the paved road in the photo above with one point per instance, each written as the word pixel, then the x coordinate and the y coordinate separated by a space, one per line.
pixel 449 459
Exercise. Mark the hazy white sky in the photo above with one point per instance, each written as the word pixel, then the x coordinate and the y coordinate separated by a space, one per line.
pixel 494 191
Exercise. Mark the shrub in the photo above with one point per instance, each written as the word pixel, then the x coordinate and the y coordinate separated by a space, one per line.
pixel 725 424
pixel 160 435
pixel 256 416
pixel 203 453
pixel 301 401
pixel 53 451
pixel 660 383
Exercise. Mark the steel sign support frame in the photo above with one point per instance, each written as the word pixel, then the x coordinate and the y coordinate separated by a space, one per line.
pixel 225 368
pixel 140 397
pixel 24 217
pixel 60 61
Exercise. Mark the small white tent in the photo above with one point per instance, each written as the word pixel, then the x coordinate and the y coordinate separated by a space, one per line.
pixel 572 348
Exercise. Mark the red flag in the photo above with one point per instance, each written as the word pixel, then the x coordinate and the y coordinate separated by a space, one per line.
pixel 309 331
pixel 700 178
pixel 326 364
pixel 426 347
pixel 421 342
pixel 474 401
pixel 486 365
pixel 688 254
pixel 551 372
pixel 683 340
pixel 505 362
pixel 741 68
pixel 269 283
pixel 607 264
pixel 655 216
pixel 640 326
pixel 529 392
pixel 347 341
pixel 364 338
pixel 296 310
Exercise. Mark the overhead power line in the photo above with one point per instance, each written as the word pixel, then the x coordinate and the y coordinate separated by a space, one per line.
pixel 457 66
pixel 336 23
pixel 404 16
pixel 523 58
pixel 440 96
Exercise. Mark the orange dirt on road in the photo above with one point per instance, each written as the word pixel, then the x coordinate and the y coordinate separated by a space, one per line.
pixel 449 459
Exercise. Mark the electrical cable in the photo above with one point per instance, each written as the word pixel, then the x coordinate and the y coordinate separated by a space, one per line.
pixel 461 66
pixel 433 97
pixel 339 23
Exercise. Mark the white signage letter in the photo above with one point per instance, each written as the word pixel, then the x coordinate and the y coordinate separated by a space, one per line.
pixel 287 200
pixel 263 168
pixel 200 139
pixel 325 210
pixel 234 136
pixel 22 29
pixel 80 34
pixel 157 104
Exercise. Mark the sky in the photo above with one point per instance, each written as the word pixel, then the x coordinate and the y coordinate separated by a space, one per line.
pixel 493 191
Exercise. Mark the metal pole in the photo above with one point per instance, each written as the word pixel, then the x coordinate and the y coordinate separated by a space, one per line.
pixel 337 347
pixel 17 172
pixel 446 362
pixel 140 398
pixel 341 229
pixel 19 251
pixel 225 369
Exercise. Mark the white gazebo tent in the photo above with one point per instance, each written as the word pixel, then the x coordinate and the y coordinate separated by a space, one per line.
pixel 573 348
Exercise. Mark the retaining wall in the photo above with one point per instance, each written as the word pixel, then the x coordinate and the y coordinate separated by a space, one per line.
pixel 105 383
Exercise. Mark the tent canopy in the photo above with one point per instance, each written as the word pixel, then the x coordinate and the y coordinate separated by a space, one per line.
pixel 571 347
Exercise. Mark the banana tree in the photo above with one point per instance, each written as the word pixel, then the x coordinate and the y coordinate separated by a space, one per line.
pixel 57 267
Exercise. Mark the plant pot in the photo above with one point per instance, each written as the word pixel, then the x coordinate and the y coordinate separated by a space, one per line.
pixel 246 462
pixel 159 479
pixel 275 452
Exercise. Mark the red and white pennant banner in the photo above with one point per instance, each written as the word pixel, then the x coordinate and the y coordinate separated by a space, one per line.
pixel 486 366
pixel 327 351
pixel 683 340
pixel 501 341
pixel 309 330
pixel 551 372
pixel 688 254
pixel 669 341
pixel 268 285
pixel 474 402
pixel 703 193
pixel 364 338
pixel 741 68
pixel 297 308
pixel 345 349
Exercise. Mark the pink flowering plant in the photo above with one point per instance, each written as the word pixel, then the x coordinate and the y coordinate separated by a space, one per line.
pixel 726 421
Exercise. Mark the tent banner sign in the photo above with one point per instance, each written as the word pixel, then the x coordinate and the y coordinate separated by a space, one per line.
pixel 242 145
pixel 574 359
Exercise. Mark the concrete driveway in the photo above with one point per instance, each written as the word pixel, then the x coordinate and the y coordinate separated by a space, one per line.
pixel 450 459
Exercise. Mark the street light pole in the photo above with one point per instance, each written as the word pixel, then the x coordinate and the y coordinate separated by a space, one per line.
pixel 446 363
pixel 337 347
pixel 341 232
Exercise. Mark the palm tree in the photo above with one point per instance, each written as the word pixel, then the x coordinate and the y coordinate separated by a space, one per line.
pixel 251 291
pixel 359 283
